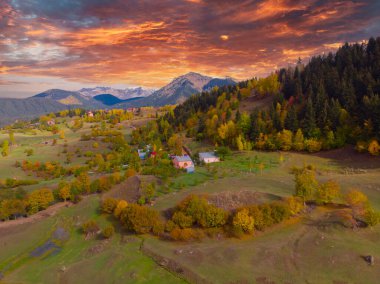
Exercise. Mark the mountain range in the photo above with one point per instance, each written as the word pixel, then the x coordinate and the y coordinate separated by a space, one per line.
pixel 177 91
pixel 180 89
pixel 122 94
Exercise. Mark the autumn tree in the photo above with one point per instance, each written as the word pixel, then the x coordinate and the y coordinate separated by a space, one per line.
pixel 5 148
pixel 83 183
pixel 371 217
pixel 108 232
pixel 62 134
pixel 356 198
pixel 65 192
pixel 108 205
pixel 182 220
pixel 295 204
pixel 39 200
pixel 90 227
pixel 12 208
pixel 121 204
pixel 140 219
pixel 149 191
pixel 285 139
pixel 203 214
pixel 175 143
pixel 243 222
pixel 306 183
pixel 327 191
pixel 213 217
pixel 129 173
pixel 298 142
pixel 374 148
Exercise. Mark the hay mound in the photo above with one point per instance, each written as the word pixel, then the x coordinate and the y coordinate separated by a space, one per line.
pixel 230 200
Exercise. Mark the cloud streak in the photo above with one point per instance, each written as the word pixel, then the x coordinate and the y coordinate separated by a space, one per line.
pixel 149 42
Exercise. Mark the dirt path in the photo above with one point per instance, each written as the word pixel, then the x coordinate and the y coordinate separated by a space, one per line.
pixel 50 211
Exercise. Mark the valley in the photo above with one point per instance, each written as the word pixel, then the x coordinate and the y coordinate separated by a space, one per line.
pixel 53 249
pixel 189 141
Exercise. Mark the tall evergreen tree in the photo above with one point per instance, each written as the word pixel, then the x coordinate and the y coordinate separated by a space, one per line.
pixel 309 123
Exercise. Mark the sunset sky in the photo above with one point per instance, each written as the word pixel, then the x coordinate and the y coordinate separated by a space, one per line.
pixel 72 44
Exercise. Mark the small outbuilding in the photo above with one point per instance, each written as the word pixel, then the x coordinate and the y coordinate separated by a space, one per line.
pixel 142 154
pixel 208 157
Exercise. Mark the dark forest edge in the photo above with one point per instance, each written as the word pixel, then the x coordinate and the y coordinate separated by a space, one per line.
pixel 328 103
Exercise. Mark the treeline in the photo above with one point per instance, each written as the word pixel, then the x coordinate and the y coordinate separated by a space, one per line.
pixel 332 101
pixel 12 183
pixel 15 203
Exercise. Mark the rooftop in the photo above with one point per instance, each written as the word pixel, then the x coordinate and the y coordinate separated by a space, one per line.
pixel 184 158
pixel 206 155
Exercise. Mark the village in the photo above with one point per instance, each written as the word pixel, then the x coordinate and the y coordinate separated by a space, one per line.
pixel 184 161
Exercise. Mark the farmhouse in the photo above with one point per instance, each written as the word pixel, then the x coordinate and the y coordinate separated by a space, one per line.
pixel 208 157
pixel 90 114
pixel 184 162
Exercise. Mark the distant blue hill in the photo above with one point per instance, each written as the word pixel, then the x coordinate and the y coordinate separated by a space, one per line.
pixel 110 100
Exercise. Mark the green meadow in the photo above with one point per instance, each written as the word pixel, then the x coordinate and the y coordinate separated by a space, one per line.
pixel 306 249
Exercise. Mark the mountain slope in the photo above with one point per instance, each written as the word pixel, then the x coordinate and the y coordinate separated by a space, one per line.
pixel 122 94
pixel 180 89
pixel 177 91
pixel 110 100
pixel 70 98
pixel 12 109
pixel 217 82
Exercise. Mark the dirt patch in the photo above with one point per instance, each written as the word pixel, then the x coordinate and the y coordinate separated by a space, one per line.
pixel 347 157
pixel 128 190
pixel 131 189
pixel 175 267
pixel 98 248
pixel 191 254
pixel 230 200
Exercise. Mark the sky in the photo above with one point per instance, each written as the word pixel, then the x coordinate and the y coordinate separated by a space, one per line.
pixel 71 44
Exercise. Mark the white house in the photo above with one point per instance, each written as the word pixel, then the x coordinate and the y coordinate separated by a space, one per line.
pixel 208 157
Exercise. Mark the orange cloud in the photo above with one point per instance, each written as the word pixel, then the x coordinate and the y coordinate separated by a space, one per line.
pixel 111 36
pixel 120 42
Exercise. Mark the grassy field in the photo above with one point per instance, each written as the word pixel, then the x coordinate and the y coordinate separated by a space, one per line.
pixel 310 249
pixel 76 260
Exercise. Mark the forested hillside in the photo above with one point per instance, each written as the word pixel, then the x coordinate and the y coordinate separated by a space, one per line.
pixel 329 102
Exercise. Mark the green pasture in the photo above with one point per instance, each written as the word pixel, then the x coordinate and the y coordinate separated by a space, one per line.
pixel 78 260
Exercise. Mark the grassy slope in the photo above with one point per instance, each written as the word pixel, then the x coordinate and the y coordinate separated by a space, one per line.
pixel 307 251
pixel 293 253
pixel 115 261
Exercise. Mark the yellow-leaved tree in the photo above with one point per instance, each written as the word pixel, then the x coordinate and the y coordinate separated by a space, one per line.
pixel 374 148
pixel 39 200
pixel 119 207
pixel 243 222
